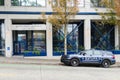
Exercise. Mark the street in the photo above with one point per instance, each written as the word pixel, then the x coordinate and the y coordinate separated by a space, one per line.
pixel 56 72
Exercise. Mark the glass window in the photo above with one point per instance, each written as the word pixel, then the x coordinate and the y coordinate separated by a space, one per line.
pixel 89 52
pixel 54 3
pixel 81 3
pixel 15 2
pixel 97 52
pixel 102 36
pixel 75 39
pixel 40 3
pixel 2 37
pixel 70 3
pixel 21 37
pixel 97 3
pixel 1 2
pixel 39 40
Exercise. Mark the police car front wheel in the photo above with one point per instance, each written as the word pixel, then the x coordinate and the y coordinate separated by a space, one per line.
pixel 106 64
pixel 74 62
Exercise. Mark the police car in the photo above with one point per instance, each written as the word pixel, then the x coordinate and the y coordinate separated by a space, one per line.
pixel 100 57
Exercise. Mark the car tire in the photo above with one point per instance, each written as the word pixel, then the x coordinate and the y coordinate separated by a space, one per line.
pixel 106 64
pixel 68 64
pixel 74 62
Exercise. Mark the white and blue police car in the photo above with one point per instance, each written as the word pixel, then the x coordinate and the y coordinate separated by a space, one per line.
pixel 100 57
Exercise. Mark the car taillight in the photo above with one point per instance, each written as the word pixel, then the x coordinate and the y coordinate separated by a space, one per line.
pixel 113 56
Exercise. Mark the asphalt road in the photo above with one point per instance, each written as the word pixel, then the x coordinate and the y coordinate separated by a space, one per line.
pixel 56 72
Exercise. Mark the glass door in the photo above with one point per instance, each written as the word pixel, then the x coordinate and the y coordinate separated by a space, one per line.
pixel 22 43
pixel 19 43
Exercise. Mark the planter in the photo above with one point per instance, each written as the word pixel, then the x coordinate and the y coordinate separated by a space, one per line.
pixel 33 53
pixel 71 52
pixel 58 53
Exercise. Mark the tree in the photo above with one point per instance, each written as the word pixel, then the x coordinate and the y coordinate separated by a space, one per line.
pixel 63 11
pixel 113 9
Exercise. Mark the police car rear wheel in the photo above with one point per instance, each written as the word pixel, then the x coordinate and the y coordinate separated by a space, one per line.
pixel 106 64
pixel 74 62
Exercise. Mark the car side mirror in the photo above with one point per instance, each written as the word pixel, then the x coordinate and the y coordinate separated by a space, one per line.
pixel 84 54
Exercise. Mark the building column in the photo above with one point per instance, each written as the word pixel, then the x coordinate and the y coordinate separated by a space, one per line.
pixel 49 42
pixel 7 3
pixel 87 34
pixel 8 38
pixel 117 37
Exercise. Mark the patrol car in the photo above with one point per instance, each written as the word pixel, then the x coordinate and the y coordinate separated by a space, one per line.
pixel 100 57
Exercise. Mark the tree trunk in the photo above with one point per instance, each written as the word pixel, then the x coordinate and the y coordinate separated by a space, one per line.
pixel 65 30
pixel 65 40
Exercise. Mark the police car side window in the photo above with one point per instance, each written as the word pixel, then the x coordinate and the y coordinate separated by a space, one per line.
pixel 97 53
pixel 90 52
pixel 84 54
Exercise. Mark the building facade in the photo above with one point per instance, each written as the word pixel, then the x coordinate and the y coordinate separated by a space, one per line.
pixel 23 29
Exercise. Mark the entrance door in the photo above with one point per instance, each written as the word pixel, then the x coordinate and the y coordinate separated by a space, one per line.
pixel 20 44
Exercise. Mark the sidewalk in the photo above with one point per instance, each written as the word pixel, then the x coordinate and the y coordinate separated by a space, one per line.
pixel 22 60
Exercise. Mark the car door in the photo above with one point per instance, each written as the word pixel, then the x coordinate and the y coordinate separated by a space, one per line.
pixel 87 56
pixel 97 56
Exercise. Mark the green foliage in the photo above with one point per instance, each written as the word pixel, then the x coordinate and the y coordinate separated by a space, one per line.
pixel 113 12
pixel 81 48
pixel 35 51
pixel 15 2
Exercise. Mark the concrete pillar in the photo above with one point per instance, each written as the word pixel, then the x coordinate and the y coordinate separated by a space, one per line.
pixel 87 34
pixel 49 42
pixel 116 37
pixel 8 38
pixel 7 3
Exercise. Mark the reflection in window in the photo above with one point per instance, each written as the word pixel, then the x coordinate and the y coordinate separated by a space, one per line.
pixel 39 41
pixel 102 36
pixel 97 3
pixel 89 52
pixel 40 3
pixel 70 3
pixel 1 2
pixel 97 52
pixel 2 37
pixel 21 37
pixel 81 3
pixel 74 38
